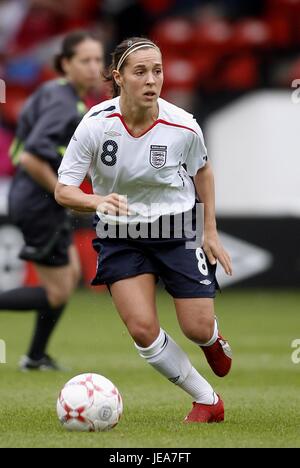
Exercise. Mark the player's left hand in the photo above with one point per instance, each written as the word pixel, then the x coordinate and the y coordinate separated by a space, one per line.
pixel 216 252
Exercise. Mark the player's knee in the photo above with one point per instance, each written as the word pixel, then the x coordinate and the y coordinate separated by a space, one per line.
pixel 200 332
pixel 144 334
pixel 57 300
pixel 57 297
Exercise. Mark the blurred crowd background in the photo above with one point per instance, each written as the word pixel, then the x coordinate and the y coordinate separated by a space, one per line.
pixel 213 50
pixel 216 54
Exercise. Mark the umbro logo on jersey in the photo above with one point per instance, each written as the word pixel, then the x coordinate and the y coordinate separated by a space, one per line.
pixel 74 138
pixel 112 134
pixel 158 156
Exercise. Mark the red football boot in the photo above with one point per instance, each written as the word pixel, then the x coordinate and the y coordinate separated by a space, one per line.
pixel 219 356
pixel 206 413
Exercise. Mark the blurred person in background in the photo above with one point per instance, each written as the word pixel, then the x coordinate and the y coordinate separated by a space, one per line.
pixel 46 125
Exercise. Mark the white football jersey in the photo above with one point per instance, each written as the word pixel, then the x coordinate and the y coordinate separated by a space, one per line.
pixel 147 169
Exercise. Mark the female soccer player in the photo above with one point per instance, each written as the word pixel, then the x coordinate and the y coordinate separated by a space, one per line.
pixel 140 151
pixel 46 124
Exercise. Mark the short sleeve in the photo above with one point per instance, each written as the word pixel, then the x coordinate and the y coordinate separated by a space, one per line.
pixel 77 158
pixel 49 129
pixel 197 152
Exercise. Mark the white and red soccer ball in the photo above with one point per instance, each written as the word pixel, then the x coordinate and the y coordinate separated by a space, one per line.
pixel 89 403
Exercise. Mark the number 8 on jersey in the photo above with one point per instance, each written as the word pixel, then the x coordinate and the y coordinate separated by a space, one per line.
pixel 109 154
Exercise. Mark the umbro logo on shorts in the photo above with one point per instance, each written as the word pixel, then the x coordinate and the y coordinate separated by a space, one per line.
pixel 206 282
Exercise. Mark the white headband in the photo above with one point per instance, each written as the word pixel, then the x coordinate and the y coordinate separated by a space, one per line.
pixel 134 48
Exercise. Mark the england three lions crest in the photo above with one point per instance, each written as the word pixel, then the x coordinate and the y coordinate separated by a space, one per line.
pixel 158 156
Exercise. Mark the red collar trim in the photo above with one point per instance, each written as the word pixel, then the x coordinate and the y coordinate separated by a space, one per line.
pixel 159 121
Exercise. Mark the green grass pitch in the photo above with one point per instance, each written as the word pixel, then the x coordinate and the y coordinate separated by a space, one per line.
pixel 261 394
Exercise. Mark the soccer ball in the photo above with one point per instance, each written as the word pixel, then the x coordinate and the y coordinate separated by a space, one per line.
pixel 89 403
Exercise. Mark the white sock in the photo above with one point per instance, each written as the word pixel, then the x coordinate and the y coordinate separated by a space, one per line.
pixel 196 386
pixel 213 338
pixel 168 359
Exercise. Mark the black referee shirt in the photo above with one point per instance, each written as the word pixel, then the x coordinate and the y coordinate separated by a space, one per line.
pixel 46 125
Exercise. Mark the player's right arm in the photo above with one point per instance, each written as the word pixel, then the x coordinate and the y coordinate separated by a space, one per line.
pixel 74 198
pixel 74 168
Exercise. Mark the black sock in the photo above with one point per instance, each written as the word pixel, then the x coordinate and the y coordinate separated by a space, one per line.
pixel 24 299
pixel 46 322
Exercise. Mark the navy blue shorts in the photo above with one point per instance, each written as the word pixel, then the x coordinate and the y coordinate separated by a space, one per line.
pixel 186 273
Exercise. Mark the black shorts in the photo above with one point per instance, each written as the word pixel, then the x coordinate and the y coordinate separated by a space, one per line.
pixel 45 225
pixel 47 236
pixel 185 272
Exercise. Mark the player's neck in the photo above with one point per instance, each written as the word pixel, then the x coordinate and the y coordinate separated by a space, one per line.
pixel 80 90
pixel 137 118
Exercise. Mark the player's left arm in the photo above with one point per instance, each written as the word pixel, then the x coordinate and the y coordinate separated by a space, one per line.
pixel 205 187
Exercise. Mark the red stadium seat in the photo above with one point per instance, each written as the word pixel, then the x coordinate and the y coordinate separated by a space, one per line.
pixel 87 8
pixel 287 14
pixel 284 7
pixel 157 7
pixel 38 26
pixel 205 64
pixel 240 73
pixel 180 73
pixel 281 30
pixel 251 33
pixel 214 36
pixel 174 36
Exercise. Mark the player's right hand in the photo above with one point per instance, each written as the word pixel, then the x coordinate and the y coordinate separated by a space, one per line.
pixel 113 204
